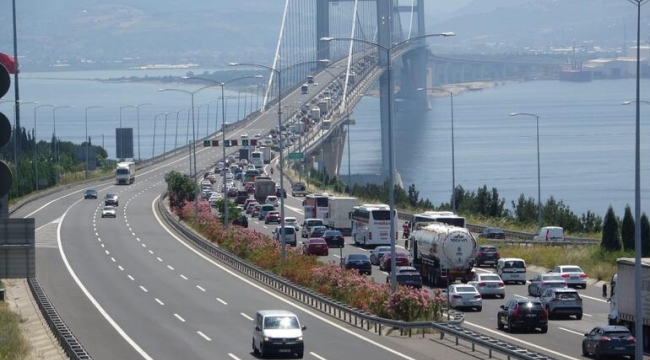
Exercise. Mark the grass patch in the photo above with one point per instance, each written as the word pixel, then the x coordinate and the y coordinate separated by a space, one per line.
pixel 13 345
pixel 596 262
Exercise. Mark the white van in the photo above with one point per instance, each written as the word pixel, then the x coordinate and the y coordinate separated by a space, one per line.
pixel 550 233
pixel 278 332
pixel 289 235
pixel 309 224
pixel 512 270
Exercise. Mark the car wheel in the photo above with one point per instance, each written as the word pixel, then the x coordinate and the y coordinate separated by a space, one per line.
pixel 261 350
pixel 499 324
pixel 544 329
pixel 530 293
pixel 597 353
pixel 584 350
pixel 299 355
pixel 255 348
pixel 579 316
pixel 510 329
pixel 479 309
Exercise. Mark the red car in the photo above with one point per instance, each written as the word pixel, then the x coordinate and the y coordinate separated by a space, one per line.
pixel 273 216
pixel 315 246
pixel 385 261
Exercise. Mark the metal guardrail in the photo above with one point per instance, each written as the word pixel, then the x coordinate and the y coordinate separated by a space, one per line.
pixel 341 311
pixel 65 337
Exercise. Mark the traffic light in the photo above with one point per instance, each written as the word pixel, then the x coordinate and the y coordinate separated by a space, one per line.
pixel 6 178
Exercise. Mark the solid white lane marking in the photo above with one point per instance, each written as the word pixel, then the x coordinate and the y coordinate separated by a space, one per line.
pixel 246 316
pixel 317 356
pixel 160 302
pixel 143 288
pixel 526 343
pixel 593 298
pixel 83 288
pixel 184 277
pixel 521 296
pixel 587 315
pixel 179 317
pixel 571 331
pixel 200 288
pixel 483 270
pixel 170 267
pixel 131 277
pixel 221 301
pixel 272 294
pixel 233 356
pixel 204 336
pixel 336 256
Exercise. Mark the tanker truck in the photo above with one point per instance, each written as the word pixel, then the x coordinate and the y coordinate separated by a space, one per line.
pixel 442 253
pixel 621 308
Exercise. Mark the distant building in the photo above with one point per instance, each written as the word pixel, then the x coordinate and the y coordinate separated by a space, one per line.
pixel 611 68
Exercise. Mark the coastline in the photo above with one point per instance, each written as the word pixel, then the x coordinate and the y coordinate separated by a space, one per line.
pixel 456 88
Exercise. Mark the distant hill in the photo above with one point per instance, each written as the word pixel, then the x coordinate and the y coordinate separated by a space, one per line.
pixel 123 33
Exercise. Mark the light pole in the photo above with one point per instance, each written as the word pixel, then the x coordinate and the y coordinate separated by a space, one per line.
pixel 539 182
pixel 194 133
pixel 222 85
pixel 165 136
pixel 176 136
pixel 453 161
pixel 36 143
pixel 278 73
pixel 216 115
pixel 155 121
pixel 88 142
pixel 122 138
pixel 56 141
pixel 137 117
pixel 391 158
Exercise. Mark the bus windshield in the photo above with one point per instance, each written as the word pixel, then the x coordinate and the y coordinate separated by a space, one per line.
pixel 383 215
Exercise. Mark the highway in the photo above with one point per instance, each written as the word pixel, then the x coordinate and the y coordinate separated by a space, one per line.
pixel 564 337
pixel 129 288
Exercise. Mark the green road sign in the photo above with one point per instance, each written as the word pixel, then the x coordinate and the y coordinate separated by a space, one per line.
pixel 296 156
pixel 206 143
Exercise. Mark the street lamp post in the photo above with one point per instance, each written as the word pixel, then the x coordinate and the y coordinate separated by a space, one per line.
pixel 155 121
pixel 88 142
pixel 222 85
pixel 453 161
pixel 165 136
pixel 137 117
pixel 56 140
pixel 539 186
pixel 193 145
pixel 36 143
pixel 176 136
pixel 122 138
pixel 391 158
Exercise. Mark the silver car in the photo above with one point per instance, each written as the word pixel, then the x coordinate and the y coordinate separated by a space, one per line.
pixel 562 302
pixel 541 282
pixel 489 284
pixel 377 253
pixel 465 296
pixel 109 211
pixel 573 275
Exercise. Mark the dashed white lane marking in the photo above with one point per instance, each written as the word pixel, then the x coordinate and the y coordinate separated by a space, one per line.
pixel 102 245
pixel 246 316
pixel 159 259
pixel 160 302
pixel 120 267
pixel 131 277
pixel 317 356
pixel 200 288
pixel 336 256
pixel 204 336
pixel 151 252
pixel 179 317
pixel 233 356
pixel 571 331
pixel 521 296
pixel 144 245
pixel 143 288
pixel 107 252
pixel 587 315
pixel 138 239
pixel 170 267
pixel 184 277
pixel 221 301
pixel 593 298
pixel 113 259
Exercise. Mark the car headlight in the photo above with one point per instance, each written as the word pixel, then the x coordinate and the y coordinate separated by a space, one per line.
pixel 267 339
pixel 300 338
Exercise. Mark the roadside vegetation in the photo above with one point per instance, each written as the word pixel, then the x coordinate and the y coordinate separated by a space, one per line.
pixel 13 344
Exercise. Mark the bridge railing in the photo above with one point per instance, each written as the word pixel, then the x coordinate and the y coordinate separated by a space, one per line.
pixel 342 312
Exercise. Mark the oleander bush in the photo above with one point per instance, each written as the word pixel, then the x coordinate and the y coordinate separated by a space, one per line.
pixel 329 279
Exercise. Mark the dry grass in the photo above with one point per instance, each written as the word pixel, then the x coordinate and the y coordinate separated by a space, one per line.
pixel 13 344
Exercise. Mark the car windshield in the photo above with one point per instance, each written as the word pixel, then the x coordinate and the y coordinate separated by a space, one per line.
pixel 514 264
pixel 567 295
pixel 618 334
pixel 572 269
pixel 488 249
pixel 108 208
pixel 92 192
pixel 332 233
pixel 382 249
pixel 490 278
pixel 465 289
pixel 281 322
pixel 314 222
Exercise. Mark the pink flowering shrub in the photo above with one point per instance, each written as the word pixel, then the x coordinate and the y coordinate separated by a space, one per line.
pixel 346 286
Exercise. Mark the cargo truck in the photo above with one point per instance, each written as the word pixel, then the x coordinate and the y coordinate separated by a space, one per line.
pixel 264 187
pixel 339 212
pixel 244 154
pixel 442 253
pixel 125 173
pixel 267 155
pixel 621 308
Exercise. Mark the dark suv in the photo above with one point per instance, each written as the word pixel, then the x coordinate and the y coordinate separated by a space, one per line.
pixel 334 238
pixel 523 313
pixel 111 199
pixel 492 233
pixel 90 194
pixel 487 255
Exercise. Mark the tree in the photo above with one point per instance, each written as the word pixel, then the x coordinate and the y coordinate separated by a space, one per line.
pixel 233 211
pixel 525 210
pixel 611 240
pixel 645 235
pixel 180 188
pixel 627 229
pixel 413 195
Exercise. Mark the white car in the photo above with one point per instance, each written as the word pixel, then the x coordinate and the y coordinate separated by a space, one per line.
pixel 257 136
pixel 271 199
pixel 214 198
pixel 244 136
pixel 573 275
pixel 489 284
pixel 465 296
pixel 291 221
pixel 109 211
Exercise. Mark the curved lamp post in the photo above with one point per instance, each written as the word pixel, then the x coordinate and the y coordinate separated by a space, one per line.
pixel 137 119
pixel 88 142
pixel 391 158
pixel 278 73
pixel 539 186
pixel 222 85
pixel 453 161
